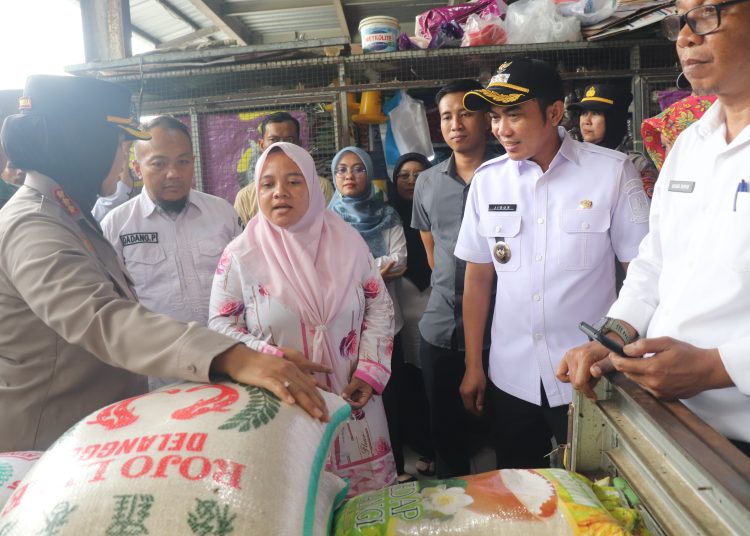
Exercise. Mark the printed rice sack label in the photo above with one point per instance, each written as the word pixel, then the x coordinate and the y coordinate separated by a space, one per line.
pixel 195 459
pixel 13 467
pixel 508 501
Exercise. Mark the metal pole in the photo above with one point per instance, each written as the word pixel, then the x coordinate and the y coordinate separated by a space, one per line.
pixel 106 29
pixel 196 136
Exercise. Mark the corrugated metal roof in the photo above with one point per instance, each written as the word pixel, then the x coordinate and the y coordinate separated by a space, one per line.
pixel 286 20
pixel 272 20
pixel 153 19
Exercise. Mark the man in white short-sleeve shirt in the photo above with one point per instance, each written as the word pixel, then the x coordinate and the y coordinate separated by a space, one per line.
pixel 688 291
pixel 548 217
pixel 170 237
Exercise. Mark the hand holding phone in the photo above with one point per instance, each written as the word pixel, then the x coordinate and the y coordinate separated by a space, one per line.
pixel 596 335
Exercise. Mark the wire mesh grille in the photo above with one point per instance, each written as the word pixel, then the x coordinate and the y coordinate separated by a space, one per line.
pixel 227 141
pixel 237 94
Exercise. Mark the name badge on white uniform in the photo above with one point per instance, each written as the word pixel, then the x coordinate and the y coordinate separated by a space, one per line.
pixel 685 187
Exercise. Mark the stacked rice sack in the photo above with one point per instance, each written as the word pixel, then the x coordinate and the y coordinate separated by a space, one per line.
pixel 510 502
pixel 13 467
pixel 206 459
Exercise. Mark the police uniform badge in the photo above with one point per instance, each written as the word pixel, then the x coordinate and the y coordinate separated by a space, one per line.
pixel 67 203
pixel 501 77
pixel 586 203
pixel 591 92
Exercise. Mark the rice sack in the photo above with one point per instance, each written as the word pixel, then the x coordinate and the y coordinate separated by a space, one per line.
pixel 207 459
pixel 520 502
pixel 13 467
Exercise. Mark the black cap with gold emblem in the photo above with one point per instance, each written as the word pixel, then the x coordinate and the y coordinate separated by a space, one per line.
pixel 517 81
pixel 85 100
pixel 602 97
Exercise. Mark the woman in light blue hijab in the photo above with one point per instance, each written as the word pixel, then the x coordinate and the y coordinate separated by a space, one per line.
pixel 361 205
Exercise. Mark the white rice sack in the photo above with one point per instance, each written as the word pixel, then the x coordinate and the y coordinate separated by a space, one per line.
pixel 511 502
pixel 205 459
pixel 13 467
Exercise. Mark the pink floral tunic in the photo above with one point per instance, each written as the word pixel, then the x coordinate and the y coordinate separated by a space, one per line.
pixel 362 333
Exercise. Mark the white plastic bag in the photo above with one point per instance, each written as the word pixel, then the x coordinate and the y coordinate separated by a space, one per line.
pixel 538 21
pixel 483 32
pixel 587 11
pixel 407 130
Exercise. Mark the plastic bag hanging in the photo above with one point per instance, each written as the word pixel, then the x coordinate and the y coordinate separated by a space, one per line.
pixel 407 130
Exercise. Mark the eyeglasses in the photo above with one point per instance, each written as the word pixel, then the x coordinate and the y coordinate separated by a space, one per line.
pixel 702 20
pixel 355 170
pixel 406 176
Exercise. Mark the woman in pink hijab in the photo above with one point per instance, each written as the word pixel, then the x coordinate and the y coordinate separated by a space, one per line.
pixel 300 283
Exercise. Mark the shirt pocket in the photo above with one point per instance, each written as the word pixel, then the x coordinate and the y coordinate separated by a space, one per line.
pixel 206 256
pixel 507 227
pixel 735 240
pixel 584 238
pixel 146 264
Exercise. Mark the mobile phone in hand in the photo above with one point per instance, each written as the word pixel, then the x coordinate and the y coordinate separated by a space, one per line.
pixel 596 335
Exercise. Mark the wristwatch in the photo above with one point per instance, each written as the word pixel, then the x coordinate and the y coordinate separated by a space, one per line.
pixel 607 324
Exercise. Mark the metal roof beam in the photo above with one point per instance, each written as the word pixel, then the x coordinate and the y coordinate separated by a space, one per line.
pixel 342 18
pixel 145 35
pixel 243 8
pixel 212 10
pixel 189 38
pixel 175 12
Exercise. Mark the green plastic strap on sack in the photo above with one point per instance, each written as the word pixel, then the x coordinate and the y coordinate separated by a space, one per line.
pixel 623 486
pixel 337 420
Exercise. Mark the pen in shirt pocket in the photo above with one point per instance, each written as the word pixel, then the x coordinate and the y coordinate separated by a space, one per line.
pixel 741 187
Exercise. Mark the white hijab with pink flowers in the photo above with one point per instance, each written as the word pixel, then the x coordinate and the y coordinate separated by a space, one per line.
pixel 313 266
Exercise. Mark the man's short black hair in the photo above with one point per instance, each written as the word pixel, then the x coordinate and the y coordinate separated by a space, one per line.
pixel 168 122
pixel 462 85
pixel 544 103
pixel 278 117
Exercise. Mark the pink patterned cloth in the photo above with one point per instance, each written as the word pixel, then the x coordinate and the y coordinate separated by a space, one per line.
pixel 315 287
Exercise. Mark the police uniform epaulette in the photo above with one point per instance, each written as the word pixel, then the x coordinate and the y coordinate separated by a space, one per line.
pixel 592 148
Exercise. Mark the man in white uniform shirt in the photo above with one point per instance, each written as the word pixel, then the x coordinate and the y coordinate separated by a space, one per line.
pixel 688 291
pixel 170 237
pixel 549 217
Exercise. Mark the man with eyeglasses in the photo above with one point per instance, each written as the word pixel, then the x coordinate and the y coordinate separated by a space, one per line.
pixel 278 126
pixel 693 310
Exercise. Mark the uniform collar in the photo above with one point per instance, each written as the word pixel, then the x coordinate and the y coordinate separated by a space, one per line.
pixel 713 120
pixel 149 207
pixel 448 166
pixel 49 189
pixel 568 150
pixel 569 147
pixel 713 123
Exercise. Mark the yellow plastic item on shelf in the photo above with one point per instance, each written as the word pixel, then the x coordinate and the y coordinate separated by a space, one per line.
pixel 370 109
